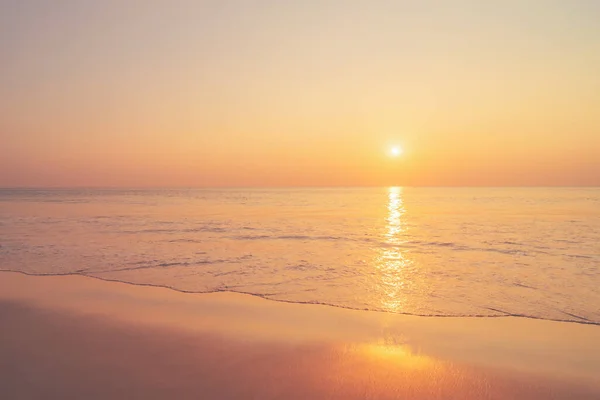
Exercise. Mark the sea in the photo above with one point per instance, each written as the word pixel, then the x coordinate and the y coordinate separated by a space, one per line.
pixel 438 252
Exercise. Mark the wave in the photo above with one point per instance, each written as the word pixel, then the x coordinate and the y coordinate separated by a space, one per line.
pixel 161 265
pixel 291 237
pixel 138 265
pixel 208 229
pixel 418 246
pixel 412 244
pixel 268 296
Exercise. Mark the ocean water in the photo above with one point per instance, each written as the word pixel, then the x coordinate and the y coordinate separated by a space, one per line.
pixel 485 252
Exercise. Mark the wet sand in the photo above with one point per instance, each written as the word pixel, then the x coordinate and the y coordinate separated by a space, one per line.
pixel 72 337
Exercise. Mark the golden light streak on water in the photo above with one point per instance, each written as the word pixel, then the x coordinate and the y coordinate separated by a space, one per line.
pixel 391 261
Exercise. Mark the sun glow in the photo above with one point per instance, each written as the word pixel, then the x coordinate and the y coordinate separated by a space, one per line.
pixel 396 151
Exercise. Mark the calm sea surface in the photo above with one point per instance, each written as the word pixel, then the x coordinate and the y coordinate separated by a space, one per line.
pixel 427 251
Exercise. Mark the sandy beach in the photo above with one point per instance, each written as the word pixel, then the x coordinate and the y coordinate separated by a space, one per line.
pixel 76 337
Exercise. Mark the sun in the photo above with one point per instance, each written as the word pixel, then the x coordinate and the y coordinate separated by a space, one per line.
pixel 396 151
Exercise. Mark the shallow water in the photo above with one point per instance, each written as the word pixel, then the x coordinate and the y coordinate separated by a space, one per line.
pixel 428 251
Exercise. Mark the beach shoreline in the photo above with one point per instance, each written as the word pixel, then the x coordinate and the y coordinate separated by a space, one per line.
pixel 72 336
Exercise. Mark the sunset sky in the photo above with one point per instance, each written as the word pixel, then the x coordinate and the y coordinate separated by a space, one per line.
pixel 299 93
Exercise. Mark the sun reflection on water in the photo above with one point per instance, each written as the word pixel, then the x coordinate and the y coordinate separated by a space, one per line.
pixel 391 261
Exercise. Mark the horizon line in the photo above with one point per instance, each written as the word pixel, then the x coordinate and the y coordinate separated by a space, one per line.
pixel 286 187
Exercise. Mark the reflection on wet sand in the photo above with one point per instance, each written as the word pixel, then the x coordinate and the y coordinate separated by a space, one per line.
pixel 401 356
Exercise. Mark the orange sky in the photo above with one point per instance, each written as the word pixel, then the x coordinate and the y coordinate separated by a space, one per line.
pixel 268 93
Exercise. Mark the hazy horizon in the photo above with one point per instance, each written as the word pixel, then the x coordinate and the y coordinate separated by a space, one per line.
pixel 297 187
pixel 299 94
